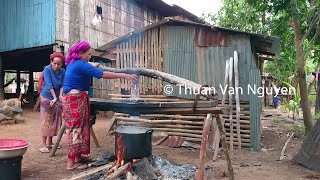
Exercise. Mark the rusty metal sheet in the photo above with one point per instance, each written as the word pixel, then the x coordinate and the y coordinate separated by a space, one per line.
pixel 205 37
pixel 173 141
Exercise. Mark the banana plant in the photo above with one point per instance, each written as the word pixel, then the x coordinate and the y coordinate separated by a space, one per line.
pixel 293 105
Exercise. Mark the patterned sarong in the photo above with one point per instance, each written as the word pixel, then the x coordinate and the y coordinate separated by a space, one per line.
pixel 76 115
pixel 50 118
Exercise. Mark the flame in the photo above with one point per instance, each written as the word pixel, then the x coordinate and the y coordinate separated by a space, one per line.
pixel 120 155
pixel 120 151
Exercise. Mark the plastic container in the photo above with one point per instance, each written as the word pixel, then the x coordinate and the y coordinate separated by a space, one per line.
pixel 12 148
pixel 12 143
pixel 10 168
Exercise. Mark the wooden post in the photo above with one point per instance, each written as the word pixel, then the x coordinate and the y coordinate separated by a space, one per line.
pixel 236 85
pixel 230 105
pixel 94 138
pixel 201 169
pixel 224 95
pixel 225 147
pixel 55 145
pixel 18 90
pixel 31 83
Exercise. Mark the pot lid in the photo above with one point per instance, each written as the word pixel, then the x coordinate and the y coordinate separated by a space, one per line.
pixel 131 129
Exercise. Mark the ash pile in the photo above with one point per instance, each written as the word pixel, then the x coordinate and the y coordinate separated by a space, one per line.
pixel 153 168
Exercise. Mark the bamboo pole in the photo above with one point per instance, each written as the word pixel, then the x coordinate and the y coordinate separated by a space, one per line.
pixel 230 105
pixel 245 136
pixel 177 130
pixel 241 130
pixel 243 144
pixel 236 140
pixel 241 121
pixel 172 116
pixel 241 117
pixel 160 121
pixel 241 126
pixel 236 80
pixel 217 136
pixel 183 134
pixel 162 125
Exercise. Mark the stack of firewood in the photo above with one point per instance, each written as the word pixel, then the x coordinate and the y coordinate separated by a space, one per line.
pixel 10 111
pixel 132 171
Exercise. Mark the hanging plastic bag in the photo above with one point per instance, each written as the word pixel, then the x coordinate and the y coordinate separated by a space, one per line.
pixel 96 19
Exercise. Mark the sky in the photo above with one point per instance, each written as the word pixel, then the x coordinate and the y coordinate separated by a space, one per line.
pixel 197 7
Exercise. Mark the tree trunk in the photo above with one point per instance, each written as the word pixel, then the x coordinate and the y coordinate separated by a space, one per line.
pixel 317 106
pixel 309 154
pixel 301 63
pixel 181 82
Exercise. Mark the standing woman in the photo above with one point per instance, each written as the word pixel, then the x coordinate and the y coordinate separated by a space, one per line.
pixel 50 113
pixel 75 101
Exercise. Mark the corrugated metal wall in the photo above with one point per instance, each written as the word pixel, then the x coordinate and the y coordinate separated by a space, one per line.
pixel 211 62
pixel 205 65
pixel 255 111
pixel 179 56
pixel 26 23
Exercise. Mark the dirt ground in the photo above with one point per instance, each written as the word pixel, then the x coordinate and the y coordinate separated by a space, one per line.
pixel 251 165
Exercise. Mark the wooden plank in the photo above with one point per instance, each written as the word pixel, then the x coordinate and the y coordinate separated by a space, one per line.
pixel 230 105
pixel 144 47
pixel 126 62
pixel 140 61
pixel 130 62
pixel 130 53
pixel 152 60
pixel 160 57
pixel 117 81
pixel 157 59
pixel 121 65
pixel 148 61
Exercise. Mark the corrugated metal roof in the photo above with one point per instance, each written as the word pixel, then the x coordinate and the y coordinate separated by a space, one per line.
pixel 264 44
pixel 168 10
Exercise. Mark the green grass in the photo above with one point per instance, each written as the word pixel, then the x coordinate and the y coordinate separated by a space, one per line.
pixel 297 128
pixel 278 122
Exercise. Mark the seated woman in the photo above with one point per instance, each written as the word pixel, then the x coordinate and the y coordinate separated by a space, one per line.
pixel 75 101
pixel 50 113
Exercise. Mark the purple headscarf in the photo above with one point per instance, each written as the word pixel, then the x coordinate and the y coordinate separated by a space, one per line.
pixel 74 52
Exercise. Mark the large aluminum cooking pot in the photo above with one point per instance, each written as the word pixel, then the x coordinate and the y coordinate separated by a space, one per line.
pixel 136 141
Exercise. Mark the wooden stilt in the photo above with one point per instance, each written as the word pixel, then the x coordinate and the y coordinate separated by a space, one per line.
pixel 94 138
pixel 55 146
pixel 200 174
